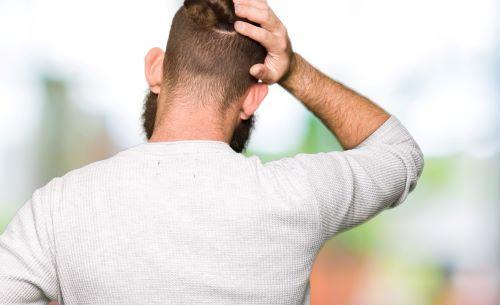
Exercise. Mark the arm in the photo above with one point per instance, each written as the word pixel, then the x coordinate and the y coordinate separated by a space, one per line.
pixel 348 115
pixel 27 272
pixel 382 163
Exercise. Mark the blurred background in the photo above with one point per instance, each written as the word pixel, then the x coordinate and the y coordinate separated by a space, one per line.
pixel 72 85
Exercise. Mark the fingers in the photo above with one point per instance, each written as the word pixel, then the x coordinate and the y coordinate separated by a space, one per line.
pixel 271 34
pixel 258 12
pixel 260 71
pixel 256 33
pixel 262 4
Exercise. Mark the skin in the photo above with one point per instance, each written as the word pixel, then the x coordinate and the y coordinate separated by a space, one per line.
pixel 349 116
pixel 178 118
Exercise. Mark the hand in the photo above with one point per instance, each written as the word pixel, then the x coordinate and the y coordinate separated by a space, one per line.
pixel 272 35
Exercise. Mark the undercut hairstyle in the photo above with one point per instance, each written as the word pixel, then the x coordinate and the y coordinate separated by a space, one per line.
pixel 206 58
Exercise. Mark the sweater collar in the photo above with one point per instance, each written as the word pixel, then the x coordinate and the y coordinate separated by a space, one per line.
pixel 184 147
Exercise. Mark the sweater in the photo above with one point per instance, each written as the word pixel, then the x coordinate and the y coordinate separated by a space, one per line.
pixel 193 222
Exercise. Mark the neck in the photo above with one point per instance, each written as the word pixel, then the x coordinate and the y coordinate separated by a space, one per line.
pixel 191 123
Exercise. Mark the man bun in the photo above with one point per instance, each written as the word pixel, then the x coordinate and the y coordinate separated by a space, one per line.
pixel 212 13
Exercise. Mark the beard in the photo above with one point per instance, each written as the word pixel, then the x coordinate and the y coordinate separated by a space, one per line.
pixel 238 143
pixel 242 135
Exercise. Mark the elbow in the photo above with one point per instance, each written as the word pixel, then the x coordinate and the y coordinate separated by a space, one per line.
pixel 412 166
pixel 417 167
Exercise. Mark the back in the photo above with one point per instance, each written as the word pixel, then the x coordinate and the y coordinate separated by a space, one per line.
pixel 193 222
pixel 184 223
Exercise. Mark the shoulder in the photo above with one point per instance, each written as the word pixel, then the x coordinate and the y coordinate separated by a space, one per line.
pixel 291 173
pixel 304 164
pixel 81 177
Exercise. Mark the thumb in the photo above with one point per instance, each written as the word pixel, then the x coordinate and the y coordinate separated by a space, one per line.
pixel 261 72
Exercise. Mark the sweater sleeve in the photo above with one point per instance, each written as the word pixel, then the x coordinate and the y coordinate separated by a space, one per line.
pixel 27 272
pixel 353 186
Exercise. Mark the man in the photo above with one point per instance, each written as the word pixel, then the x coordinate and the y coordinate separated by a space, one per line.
pixel 186 218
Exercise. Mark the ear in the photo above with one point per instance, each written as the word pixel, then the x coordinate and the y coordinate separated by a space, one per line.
pixel 254 98
pixel 154 69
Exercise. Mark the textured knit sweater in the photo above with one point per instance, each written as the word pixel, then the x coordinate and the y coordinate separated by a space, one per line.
pixel 193 222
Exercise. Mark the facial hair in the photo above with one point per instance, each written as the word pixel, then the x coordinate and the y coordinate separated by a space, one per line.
pixel 242 133
pixel 239 141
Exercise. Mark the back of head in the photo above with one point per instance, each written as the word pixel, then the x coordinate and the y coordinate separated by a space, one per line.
pixel 206 58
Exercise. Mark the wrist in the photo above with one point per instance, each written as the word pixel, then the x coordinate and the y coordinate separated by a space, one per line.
pixel 292 68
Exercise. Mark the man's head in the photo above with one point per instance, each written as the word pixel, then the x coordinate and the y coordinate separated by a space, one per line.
pixel 207 64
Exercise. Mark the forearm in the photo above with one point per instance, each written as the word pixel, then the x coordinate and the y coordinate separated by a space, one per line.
pixel 350 117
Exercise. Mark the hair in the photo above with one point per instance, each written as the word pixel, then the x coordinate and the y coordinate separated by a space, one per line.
pixel 206 58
